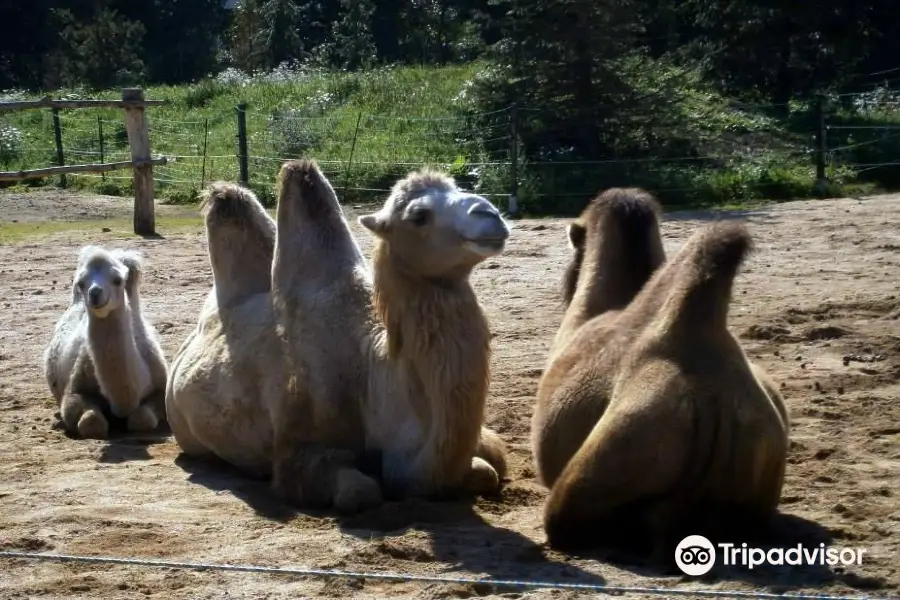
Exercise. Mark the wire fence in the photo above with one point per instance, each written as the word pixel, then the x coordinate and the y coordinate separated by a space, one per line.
pixel 596 588
pixel 856 139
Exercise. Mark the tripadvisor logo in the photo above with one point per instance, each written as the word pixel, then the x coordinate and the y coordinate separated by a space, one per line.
pixel 695 555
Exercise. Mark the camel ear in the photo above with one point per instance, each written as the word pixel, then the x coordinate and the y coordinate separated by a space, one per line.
pixel 85 252
pixel 134 261
pixel 576 234
pixel 374 223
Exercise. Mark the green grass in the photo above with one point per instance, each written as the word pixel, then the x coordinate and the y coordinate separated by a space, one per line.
pixel 29 230
pixel 368 129
pixel 406 116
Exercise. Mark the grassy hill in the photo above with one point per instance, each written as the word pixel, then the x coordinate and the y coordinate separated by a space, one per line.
pixel 366 129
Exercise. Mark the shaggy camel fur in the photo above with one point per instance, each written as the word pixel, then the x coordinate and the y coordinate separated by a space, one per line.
pixel 104 361
pixel 300 372
pixel 650 421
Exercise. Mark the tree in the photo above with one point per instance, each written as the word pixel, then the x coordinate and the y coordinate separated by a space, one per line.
pixel 25 43
pixel 352 42
pixel 182 37
pixel 102 52
pixel 245 41
pixel 567 60
pixel 772 51
pixel 281 20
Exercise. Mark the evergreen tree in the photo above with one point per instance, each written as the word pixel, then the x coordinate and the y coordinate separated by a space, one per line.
pixel 182 37
pixel 102 52
pixel 245 42
pixel 352 42
pixel 281 21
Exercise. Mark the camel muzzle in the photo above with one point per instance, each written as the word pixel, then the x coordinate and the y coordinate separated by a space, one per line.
pixel 95 298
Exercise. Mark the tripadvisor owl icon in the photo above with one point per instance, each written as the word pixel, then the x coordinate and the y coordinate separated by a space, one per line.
pixel 695 555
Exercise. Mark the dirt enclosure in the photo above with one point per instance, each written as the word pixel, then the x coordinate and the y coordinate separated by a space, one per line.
pixel 817 305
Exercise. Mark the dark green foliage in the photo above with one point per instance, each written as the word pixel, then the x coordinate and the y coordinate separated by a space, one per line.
pixel 101 52
pixel 609 92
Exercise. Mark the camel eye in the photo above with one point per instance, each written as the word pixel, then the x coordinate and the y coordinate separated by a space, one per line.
pixel 81 285
pixel 117 281
pixel 419 217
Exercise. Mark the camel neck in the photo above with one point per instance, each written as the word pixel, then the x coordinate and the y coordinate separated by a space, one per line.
pixel 437 329
pixel 610 278
pixel 116 357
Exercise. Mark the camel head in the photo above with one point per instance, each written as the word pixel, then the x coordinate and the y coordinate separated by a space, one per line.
pixel 434 229
pixel 102 278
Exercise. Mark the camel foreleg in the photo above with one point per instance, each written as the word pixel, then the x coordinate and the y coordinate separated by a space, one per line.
pixel 149 414
pixel 488 465
pixel 312 475
pixel 83 415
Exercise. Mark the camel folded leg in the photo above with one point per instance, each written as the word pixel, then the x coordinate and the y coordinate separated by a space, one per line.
pixel 82 414
pixel 316 476
pixel 488 465
pixel 149 414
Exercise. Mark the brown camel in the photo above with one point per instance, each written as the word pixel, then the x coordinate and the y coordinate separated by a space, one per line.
pixel 303 363
pixel 104 361
pixel 650 421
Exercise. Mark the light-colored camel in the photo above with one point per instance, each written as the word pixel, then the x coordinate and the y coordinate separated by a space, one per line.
pixel 650 420
pixel 104 360
pixel 303 363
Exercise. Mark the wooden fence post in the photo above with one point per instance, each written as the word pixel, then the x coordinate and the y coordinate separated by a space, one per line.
pixel 350 160
pixel 513 200
pixel 821 146
pixel 205 146
pixel 100 139
pixel 57 135
pixel 139 140
pixel 242 144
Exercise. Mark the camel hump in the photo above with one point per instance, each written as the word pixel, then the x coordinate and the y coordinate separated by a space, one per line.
pixel 629 213
pixel 634 210
pixel 303 187
pixel 700 278
pixel 623 224
pixel 223 201
pixel 720 251
pixel 241 238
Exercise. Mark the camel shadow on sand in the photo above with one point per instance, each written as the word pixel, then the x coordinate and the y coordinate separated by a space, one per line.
pixel 127 447
pixel 456 534
pixel 453 533
pixel 123 446
pixel 784 533
pixel 220 476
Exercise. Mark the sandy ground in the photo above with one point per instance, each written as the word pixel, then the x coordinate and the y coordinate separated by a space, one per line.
pixel 817 305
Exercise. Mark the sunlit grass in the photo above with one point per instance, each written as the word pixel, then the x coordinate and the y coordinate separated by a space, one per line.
pixel 101 228
pixel 368 129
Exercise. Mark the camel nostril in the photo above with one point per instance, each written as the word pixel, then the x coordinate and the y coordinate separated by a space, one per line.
pixel 94 295
pixel 498 229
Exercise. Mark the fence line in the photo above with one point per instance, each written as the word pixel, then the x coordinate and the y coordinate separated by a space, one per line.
pixel 136 130
pixel 599 588
pixel 367 152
